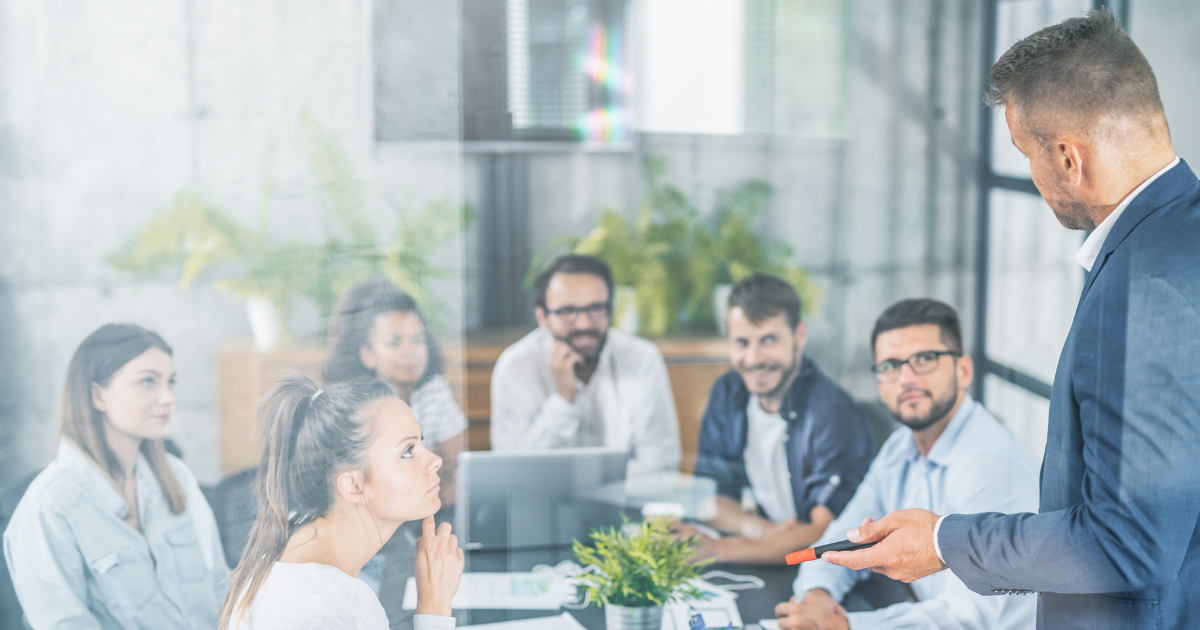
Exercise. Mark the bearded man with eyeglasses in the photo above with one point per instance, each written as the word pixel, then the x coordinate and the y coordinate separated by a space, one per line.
pixel 574 381
pixel 951 455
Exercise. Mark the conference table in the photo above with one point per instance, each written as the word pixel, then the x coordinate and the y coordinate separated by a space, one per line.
pixel 753 604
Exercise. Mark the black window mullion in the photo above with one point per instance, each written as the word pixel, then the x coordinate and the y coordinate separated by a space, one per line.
pixel 989 180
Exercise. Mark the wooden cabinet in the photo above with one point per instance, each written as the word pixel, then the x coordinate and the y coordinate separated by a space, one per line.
pixel 693 366
pixel 244 375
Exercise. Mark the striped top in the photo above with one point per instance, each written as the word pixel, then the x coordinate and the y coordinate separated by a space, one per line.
pixel 438 414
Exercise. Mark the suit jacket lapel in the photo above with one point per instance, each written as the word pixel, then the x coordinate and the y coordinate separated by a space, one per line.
pixel 1158 194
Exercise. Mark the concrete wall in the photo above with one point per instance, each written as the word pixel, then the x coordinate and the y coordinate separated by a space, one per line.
pixel 879 213
pixel 1165 31
pixel 103 119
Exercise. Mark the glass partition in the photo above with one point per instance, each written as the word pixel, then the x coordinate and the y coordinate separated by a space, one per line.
pixel 1025 414
pixel 351 204
pixel 1034 283
pixel 1016 19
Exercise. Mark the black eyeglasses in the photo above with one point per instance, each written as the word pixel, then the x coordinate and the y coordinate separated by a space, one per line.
pixel 921 363
pixel 596 312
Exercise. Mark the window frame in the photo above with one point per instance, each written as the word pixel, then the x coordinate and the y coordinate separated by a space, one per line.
pixel 990 180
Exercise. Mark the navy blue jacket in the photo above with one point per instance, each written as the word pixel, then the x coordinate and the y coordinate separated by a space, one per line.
pixel 1116 542
pixel 830 443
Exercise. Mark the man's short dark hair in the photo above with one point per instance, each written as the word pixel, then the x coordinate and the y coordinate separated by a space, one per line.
pixel 1083 68
pixel 920 312
pixel 762 296
pixel 571 264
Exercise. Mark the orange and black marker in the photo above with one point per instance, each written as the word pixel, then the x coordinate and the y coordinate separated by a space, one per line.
pixel 812 553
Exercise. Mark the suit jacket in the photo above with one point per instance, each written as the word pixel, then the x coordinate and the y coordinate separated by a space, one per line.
pixel 1115 543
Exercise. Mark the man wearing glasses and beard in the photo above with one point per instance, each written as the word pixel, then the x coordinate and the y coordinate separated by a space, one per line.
pixel 951 454
pixel 575 382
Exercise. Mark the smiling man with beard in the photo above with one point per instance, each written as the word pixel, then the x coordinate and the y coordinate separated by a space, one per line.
pixel 777 433
pixel 575 382
pixel 951 455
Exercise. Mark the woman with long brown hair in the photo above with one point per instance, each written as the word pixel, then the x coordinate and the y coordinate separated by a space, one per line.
pixel 380 331
pixel 115 533
pixel 341 470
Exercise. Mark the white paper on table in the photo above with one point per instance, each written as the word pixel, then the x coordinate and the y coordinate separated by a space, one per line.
pixel 718 611
pixel 504 591
pixel 706 530
pixel 561 622
pixel 768 624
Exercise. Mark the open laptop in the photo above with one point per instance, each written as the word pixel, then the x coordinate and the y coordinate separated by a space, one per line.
pixel 527 499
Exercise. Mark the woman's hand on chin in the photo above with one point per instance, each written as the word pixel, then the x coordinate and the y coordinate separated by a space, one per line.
pixel 439 568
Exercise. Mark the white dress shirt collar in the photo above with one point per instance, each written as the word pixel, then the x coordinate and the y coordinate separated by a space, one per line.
pixel 1086 257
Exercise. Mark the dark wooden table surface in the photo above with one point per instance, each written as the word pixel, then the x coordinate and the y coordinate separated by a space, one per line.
pixel 753 604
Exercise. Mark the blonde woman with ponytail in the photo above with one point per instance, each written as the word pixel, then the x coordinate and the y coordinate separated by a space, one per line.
pixel 115 533
pixel 341 470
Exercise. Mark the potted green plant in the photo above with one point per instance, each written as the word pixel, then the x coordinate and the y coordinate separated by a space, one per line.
pixel 673 270
pixel 638 570
pixel 727 250
pixel 647 256
pixel 193 235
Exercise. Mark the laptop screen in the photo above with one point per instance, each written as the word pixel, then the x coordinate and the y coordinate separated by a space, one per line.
pixel 515 500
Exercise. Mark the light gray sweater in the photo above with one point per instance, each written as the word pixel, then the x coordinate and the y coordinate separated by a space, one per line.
pixel 318 596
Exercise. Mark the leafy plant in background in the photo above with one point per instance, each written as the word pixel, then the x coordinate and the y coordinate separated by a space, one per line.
pixel 649 254
pixel 192 235
pixel 729 250
pixel 674 260
pixel 647 566
pixel 405 259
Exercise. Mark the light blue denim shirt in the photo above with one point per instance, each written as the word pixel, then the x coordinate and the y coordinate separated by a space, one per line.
pixel 77 564
pixel 976 465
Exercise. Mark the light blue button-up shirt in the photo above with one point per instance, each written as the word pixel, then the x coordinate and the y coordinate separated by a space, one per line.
pixel 77 564
pixel 976 465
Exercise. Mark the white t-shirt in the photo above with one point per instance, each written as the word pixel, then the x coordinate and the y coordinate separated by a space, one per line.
pixel 766 462
pixel 321 597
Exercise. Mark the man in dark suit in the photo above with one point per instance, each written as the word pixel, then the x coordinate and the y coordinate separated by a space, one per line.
pixel 1115 543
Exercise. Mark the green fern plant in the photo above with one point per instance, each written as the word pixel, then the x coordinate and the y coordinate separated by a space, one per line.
pixel 192 235
pixel 649 254
pixel 674 260
pixel 728 250
pixel 647 566
pixel 355 252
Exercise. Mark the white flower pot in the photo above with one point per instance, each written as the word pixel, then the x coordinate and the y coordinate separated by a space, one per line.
pixel 625 310
pixel 264 322
pixel 721 307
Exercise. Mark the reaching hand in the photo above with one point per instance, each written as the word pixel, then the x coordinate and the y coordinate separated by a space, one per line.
pixel 817 611
pixel 905 551
pixel 706 547
pixel 563 359
pixel 773 529
pixel 439 568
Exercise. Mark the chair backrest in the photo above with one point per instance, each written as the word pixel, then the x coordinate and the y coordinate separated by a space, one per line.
pixel 11 615
pixel 882 421
pixel 235 506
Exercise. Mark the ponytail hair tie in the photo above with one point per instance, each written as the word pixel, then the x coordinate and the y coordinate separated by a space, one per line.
pixel 298 419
